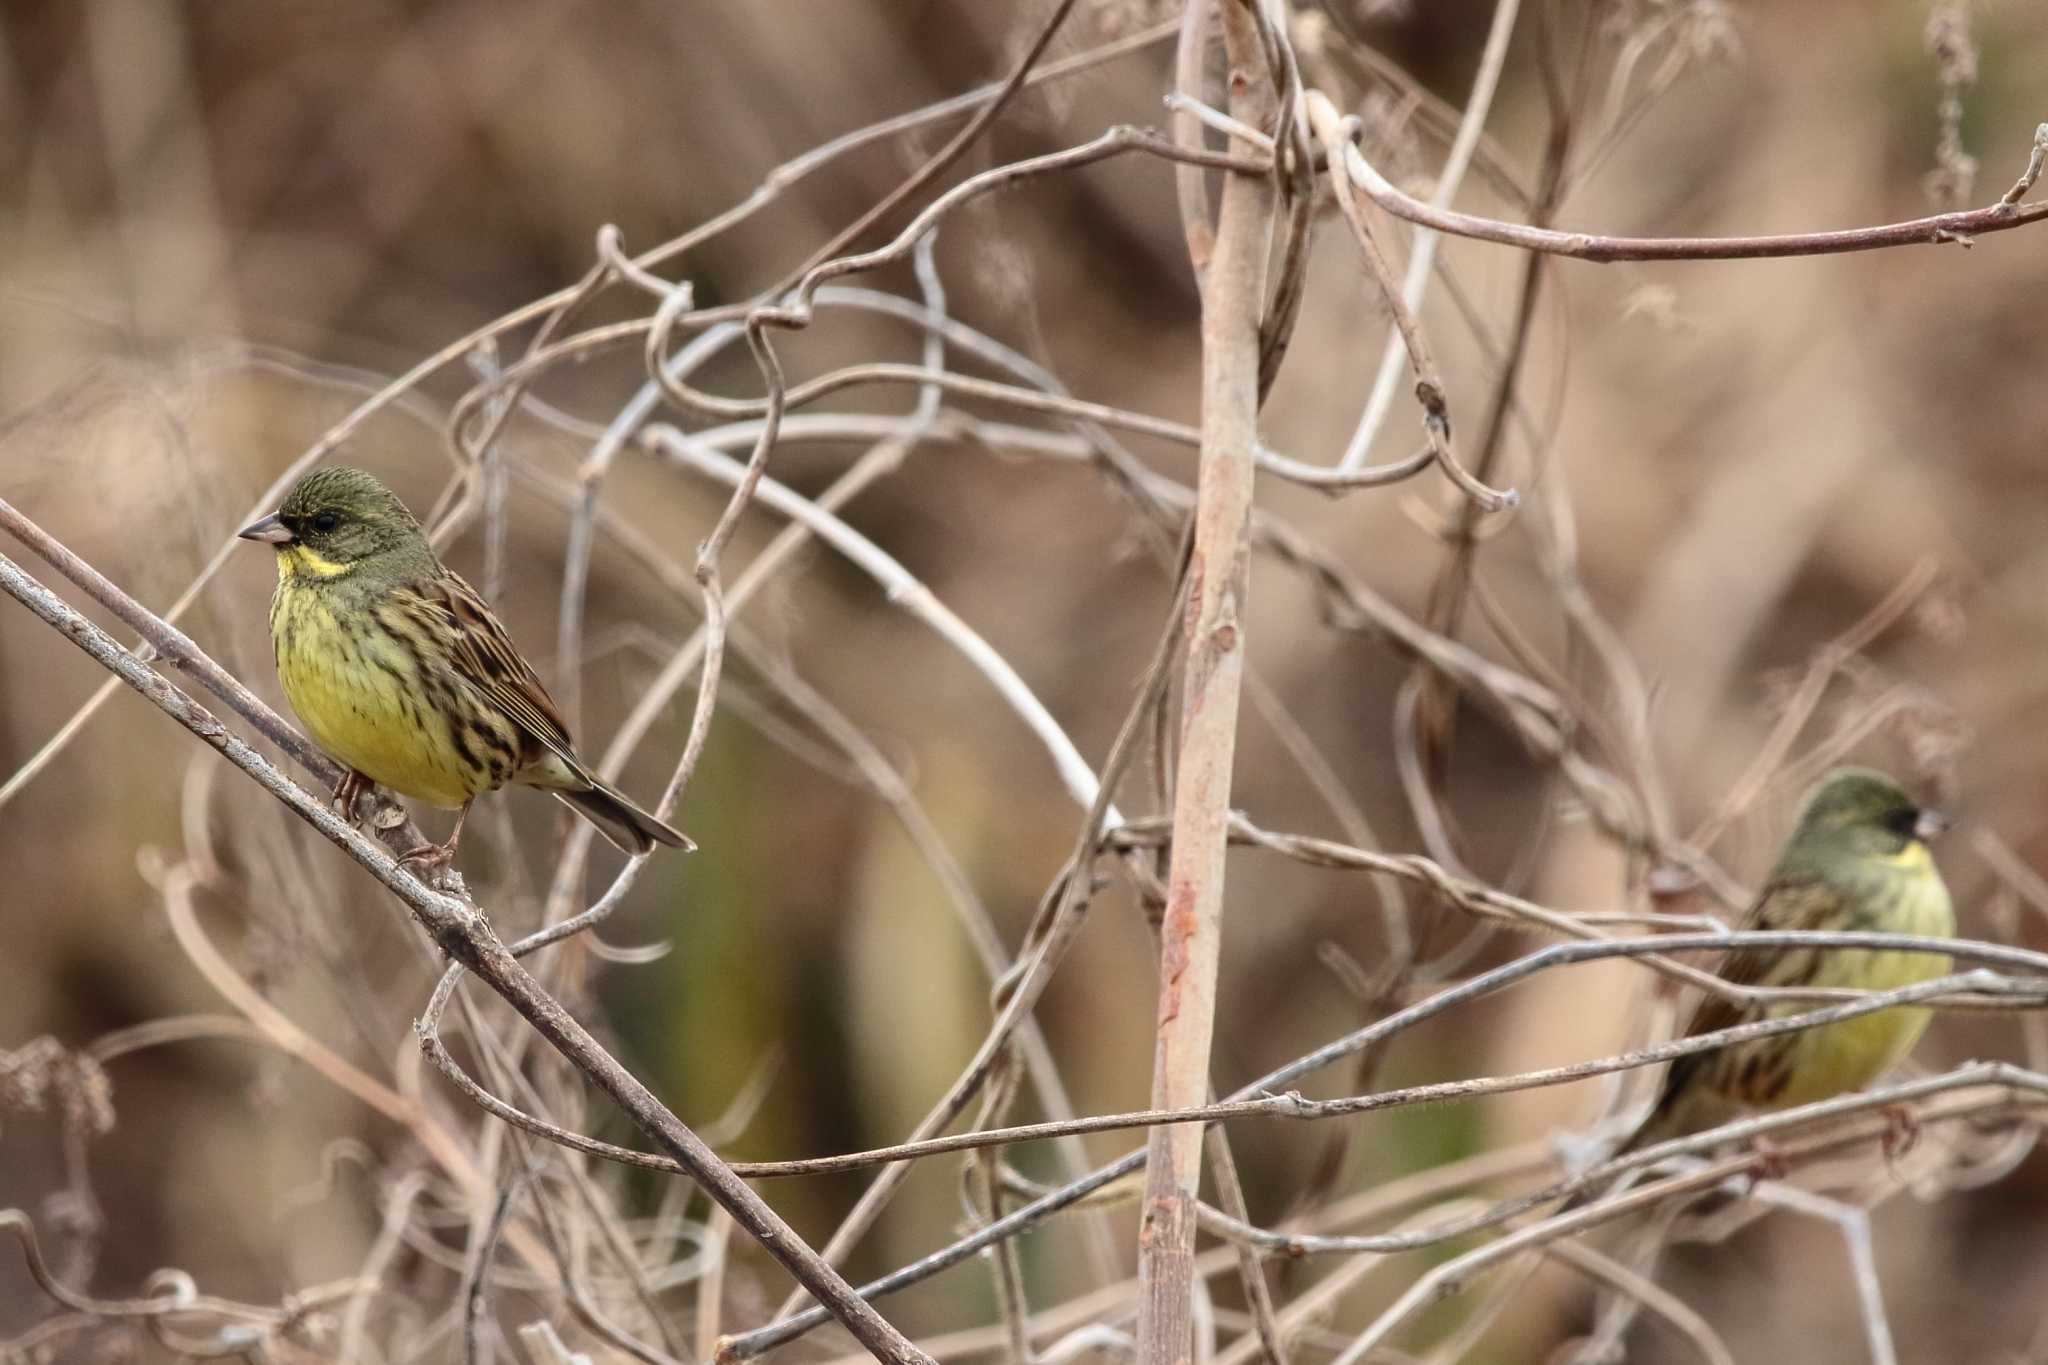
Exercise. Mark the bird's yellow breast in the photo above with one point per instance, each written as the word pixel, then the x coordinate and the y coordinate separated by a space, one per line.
pixel 358 690
pixel 1849 1055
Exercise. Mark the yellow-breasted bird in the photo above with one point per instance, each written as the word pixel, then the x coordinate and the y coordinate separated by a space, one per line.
pixel 403 674
pixel 1858 862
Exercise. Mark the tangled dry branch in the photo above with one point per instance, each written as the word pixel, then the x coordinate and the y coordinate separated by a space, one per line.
pixel 1289 155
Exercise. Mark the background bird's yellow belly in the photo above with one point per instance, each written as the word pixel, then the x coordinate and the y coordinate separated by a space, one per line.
pixel 1836 1058
pixel 361 701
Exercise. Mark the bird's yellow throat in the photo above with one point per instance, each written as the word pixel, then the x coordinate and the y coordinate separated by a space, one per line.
pixel 298 560
pixel 1914 857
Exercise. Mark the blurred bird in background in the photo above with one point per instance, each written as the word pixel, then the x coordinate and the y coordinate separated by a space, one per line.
pixel 1857 863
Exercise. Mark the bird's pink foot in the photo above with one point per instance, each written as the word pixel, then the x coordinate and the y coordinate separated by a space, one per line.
pixel 429 857
pixel 433 858
pixel 1901 1131
pixel 1770 1161
pixel 348 792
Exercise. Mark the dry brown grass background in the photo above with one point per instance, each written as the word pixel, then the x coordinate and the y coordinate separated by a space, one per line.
pixel 222 226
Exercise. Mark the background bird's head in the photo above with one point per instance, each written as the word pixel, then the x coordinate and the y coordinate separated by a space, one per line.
pixel 1858 813
pixel 334 520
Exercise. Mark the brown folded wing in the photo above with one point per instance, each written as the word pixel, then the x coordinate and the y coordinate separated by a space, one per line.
pixel 484 655
pixel 1782 905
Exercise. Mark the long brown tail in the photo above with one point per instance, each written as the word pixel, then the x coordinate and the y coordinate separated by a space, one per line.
pixel 629 828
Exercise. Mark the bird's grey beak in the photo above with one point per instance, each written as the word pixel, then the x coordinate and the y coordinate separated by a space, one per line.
pixel 1930 823
pixel 270 531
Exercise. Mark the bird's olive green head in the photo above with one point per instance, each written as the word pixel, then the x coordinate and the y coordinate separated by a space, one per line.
pixel 336 518
pixel 1860 814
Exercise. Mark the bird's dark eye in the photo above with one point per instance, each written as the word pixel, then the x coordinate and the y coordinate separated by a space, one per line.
pixel 1904 821
pixel 326 521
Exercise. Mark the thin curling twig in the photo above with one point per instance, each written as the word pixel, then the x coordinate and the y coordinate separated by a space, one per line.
pixel 178 1300
pixel 1294 176
pixel 1336 135
pixel 1674 1311
pixel 2037 158
pixel 1422 251
pixel 796 311
pixel 936 165
pixel 1293 1105
pixel 2007 213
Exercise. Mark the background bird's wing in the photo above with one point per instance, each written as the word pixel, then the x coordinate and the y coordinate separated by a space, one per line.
pixel 1784 904
pixel 485 656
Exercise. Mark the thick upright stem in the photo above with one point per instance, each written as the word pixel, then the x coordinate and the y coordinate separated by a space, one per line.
pixel 1233 289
